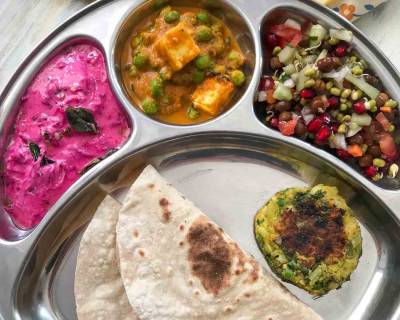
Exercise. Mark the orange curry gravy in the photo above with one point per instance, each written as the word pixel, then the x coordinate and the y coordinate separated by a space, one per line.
pixel 182 65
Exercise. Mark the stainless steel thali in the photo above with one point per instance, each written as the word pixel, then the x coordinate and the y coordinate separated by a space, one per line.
pixel 228 167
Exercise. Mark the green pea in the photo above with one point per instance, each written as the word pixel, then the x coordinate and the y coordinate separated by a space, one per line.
pixel 378 162
pixel 203 17
pixel 192 113
pixel 203 34
pixel 357 70
pixel 309 83
pixel 276 51
pixel 198 76
pixel 172 16
pixel 333 41
pixel 238 78
pixel 136 41
pixel 203 62
pixel 234 55
pixel 150 106
pixel 156 86
pixel 335 91
pixel 140 59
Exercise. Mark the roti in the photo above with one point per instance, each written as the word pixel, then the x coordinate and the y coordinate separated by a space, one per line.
pixel 177 264
pixel 99 292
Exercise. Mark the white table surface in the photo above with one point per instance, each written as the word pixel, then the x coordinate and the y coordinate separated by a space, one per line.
pixel 23 23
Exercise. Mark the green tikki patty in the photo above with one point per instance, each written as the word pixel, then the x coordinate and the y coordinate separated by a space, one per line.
pixel 309 237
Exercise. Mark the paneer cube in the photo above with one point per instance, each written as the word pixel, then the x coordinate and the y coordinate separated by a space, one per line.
pixel 178 47
pixel 212 95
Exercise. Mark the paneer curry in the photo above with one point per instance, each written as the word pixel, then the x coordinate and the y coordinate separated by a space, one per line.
pixel 182 65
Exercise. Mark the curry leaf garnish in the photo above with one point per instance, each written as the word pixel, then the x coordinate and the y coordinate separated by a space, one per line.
pixel 45 161
pixel 81 119
pixel 35 150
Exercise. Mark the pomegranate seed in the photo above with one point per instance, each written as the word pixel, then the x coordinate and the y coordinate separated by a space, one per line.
pixel 274 122
pixel 323 134
pixel 341 50
pixel 333 101
pixel 359 106
pixel 314 125
pixel 307 93
pixel 266 83
pixel 343 154
pixel 371 171
pixel 335 127
pixel 325 118
pixel 272 40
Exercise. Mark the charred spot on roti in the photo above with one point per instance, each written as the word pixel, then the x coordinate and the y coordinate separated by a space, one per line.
pixel 135 233
pixel 166 215
pixel 150 185
pixel 210 255
pixel 190 282
pixel 254 274
pixel 247 295
pixel 164 202
pixel 141 252
pixel 181 227
pixel 228 309
pixel 181 243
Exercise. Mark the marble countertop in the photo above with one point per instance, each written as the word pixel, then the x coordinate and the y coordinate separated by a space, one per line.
pixel 25 23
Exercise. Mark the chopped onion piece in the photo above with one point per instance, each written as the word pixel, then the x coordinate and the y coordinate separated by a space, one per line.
pixel 295 77
pixel 306 110
pixel 289 83
pixel 262 96
pixel 322 55
pixel 310 59
pixel 300 83
pixel 292 24
pixel 354 128
pixel 338 75
pixel 338 141
pixel 307 115
pixel 362 120
pixel 341 34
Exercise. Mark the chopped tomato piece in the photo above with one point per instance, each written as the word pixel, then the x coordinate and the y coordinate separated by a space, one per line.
pixel 284 31
pixel 355 150
pixel 287 127
pixel 387 144
pixel 287 35
pixel 380 117
pixel 296 40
